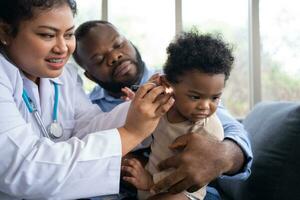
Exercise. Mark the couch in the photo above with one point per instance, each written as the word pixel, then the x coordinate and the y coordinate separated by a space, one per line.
pixel 274 132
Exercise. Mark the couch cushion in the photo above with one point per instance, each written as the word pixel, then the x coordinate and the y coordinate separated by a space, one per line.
pixel 274 132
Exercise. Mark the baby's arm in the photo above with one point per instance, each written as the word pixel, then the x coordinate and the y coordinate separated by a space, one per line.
pixel 138 176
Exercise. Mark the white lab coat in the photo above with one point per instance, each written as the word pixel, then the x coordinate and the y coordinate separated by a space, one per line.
pixel 85 162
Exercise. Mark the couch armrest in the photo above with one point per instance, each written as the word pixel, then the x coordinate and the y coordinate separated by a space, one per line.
pixel 274 132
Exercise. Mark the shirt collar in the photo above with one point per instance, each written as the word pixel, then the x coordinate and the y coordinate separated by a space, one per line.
pixel 97 93
pixel 56 80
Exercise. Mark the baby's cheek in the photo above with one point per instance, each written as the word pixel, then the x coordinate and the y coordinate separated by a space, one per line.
pixel 213 107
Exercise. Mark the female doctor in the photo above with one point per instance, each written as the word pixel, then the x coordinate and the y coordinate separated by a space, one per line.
pixel 54 143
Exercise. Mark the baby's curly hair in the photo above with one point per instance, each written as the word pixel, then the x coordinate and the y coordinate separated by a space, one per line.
pixel 195 51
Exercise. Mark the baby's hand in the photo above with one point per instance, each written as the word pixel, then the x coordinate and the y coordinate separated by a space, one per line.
pixel 136 174
pixel 128 94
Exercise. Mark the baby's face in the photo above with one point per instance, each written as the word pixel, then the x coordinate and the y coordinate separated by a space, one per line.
pixel 197 95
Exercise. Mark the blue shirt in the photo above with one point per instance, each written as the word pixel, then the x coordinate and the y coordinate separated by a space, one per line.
pixel 233 130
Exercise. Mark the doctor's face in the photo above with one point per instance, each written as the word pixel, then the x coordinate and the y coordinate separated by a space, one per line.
pixel 43 43
pixel 109 58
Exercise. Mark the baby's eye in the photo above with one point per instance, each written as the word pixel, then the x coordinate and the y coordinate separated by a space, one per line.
pixel 216 98
pixel 193 97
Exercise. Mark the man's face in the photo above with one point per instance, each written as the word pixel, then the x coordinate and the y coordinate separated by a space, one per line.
pixel 109 58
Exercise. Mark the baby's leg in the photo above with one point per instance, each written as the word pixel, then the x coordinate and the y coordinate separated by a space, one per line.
pixel 168 196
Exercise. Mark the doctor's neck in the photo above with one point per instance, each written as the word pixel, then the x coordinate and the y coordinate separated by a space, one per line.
pixel 34 79
pixel 29 76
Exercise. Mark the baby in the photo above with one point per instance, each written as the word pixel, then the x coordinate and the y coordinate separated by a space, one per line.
pixel 197 68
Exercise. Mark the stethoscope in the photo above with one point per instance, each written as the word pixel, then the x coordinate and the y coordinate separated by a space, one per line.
pixel 54 130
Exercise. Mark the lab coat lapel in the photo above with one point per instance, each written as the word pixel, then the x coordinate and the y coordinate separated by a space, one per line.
pixel 47 100
pixel 32 91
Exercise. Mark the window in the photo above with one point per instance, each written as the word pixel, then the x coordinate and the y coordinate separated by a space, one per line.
pixel 150 25
pixel 87 10
pixel 280 55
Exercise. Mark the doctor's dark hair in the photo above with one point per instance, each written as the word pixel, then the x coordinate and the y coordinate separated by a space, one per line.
pixel 12 12
pixel 194 51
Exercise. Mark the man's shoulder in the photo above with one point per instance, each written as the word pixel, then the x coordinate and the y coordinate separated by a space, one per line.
pixel 103 99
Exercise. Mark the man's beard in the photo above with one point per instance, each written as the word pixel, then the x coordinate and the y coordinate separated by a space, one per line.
pixel 115 87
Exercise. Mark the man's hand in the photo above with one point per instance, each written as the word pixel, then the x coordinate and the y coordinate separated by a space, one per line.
pixel 202 159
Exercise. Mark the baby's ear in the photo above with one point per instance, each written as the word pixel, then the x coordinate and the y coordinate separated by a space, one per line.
pixel 166 83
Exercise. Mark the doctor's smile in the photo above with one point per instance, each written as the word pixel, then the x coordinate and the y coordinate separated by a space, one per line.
pixel 56 63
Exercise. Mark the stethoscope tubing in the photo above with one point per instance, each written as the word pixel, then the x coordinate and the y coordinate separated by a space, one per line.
pixel 32 109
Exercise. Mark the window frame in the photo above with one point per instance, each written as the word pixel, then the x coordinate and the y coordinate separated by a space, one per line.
pixel 255 85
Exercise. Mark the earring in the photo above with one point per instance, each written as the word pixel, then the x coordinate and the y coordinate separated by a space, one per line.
pixel 3 42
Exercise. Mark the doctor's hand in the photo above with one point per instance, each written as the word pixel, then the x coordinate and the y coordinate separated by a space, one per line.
pixel 202 159
pixel 129 93
pixel 149 104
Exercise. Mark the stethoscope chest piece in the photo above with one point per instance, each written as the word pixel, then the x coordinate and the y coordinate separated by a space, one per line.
pixel 55 130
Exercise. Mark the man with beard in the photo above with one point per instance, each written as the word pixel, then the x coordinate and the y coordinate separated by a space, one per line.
pixel 113 62
pixel 110 60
